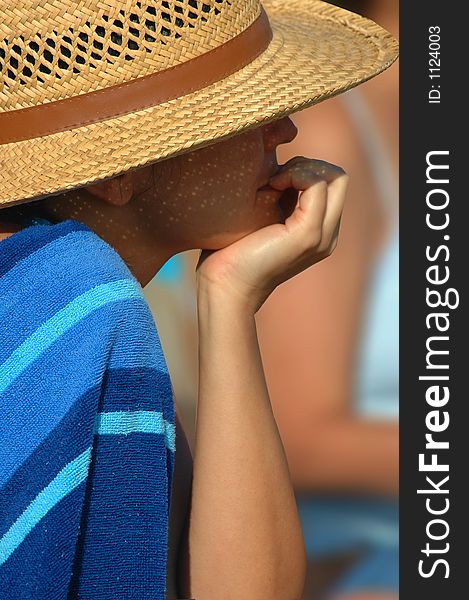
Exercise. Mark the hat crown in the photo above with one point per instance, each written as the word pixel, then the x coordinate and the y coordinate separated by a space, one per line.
pixel 60 49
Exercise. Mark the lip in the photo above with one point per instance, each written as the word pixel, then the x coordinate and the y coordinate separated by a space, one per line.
pixel 272 168
pixel 267 188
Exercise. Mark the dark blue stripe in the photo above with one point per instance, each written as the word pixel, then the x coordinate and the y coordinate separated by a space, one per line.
pixel 64 483
pixel 121 390
pixel 40 568
pixel 151 390
pixel 122 548
pixel 29 240
pixel 71 436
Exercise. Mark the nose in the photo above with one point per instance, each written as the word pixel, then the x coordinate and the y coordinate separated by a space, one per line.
pixel 279 132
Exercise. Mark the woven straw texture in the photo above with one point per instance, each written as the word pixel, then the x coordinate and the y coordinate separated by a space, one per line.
pixel 58 49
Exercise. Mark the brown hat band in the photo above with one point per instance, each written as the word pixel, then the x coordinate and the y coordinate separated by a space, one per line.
pixel 140 93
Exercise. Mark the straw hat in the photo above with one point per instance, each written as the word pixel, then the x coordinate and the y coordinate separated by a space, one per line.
pixel 93 88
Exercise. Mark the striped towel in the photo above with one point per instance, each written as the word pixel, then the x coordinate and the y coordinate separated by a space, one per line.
pixel 87 435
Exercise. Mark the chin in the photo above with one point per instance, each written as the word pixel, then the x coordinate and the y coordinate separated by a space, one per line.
pixel 225 239
pixel 260 216
pixel 222 240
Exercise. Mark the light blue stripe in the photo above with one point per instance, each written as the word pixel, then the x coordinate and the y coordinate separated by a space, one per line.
pixel 62 321
pixel 139 421
pixel 65 482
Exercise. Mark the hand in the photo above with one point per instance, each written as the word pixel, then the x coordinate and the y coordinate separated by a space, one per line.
pixel 251 268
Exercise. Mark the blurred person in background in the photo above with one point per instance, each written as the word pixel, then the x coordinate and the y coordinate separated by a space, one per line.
pixel 332 366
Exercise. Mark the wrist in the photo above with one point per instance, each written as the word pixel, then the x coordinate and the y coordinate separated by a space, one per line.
pixel 215 300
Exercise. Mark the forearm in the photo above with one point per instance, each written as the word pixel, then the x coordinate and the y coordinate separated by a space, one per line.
pixel 348 455
pixel 245 538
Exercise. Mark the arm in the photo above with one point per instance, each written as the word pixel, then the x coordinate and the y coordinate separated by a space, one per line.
pixel 245 538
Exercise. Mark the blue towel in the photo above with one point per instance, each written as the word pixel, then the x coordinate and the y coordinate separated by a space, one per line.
pixel 87 434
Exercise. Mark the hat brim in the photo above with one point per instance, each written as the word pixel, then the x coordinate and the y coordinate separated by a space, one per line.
pixel 317 51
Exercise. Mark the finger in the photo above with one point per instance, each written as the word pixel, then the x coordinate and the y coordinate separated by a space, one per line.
pixel 300 172
pixel 306 221
pixel 336 194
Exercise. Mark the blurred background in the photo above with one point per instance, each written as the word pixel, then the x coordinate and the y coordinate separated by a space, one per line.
pixel 329 343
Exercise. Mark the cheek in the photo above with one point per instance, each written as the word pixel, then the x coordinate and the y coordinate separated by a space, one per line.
pixel 267 207
pixel 217 185
pixel 211 194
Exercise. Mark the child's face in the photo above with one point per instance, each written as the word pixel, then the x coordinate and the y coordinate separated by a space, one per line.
pixel 210 198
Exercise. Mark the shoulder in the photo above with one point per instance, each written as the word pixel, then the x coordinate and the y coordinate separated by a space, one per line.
pixel 55 278
pixel 62 261
pixel 68 251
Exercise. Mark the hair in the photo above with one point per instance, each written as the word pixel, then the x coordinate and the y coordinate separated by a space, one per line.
pixel 20 213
